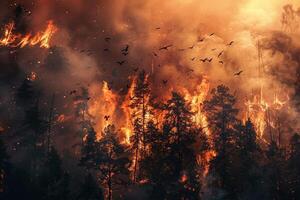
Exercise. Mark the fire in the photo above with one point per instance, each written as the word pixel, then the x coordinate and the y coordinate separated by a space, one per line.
pixel 102 109
pixel 258 110
pixel 42 38
pixel 196 99
pixel 128 127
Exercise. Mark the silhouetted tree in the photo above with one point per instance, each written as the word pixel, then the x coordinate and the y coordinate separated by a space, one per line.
pixel 90 190
pixel 294 168
pixel 112 161
pixel 25 95
pixel 54 181
pixel 275 176
pixel 173 151
pixel 221 115
pixel 4 167
pixel 140 106
pixel 89 150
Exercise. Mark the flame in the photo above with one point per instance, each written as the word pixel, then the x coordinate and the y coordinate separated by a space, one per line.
pixel 258 111
pixel 196 100
pixel 43 38
pixel 102 108
pixel 128 127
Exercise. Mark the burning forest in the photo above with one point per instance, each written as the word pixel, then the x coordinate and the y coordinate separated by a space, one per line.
pixel 150 100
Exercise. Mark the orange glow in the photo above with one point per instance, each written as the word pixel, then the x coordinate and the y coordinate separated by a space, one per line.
pixel 102 108
pixel 42 38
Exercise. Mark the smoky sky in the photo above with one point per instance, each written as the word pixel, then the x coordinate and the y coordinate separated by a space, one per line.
pixel 87 48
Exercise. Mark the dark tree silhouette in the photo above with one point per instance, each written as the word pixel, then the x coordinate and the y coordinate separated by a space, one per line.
pixel 112 161
pixel 90 190
pixel 221 115
pixel 140 105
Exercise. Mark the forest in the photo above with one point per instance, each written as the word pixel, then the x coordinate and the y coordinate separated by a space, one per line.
pixel 166 158
pixel 149 100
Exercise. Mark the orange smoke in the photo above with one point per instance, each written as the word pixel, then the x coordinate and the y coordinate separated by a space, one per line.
pixel 42 38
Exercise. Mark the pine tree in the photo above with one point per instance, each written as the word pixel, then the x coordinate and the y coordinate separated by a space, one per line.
pixel 4 167
pixel 141 110
pixel 181 156
pixel 221 115
pixel 54 182
pixel 89 150
pixel 275 174
pixel 294 167
pixel 112 161
pixel 247 161
pixel 25 94
pixel 90 190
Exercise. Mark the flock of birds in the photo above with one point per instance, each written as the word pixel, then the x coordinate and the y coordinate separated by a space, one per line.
pixel 125 52
pixel 126 49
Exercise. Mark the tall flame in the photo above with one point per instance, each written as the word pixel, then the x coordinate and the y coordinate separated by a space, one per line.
pixel 42 38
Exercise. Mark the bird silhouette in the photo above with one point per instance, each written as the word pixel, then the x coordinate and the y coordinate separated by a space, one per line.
pixel 121 62
pixel 106 117
pixel 220 54
pixel 165 47
pixel 136 69
pixel 230 43
pixel 191 47
pixel 126 48
pixel 203 60
pixel 238 73
pixel 72 92
pixel 201 39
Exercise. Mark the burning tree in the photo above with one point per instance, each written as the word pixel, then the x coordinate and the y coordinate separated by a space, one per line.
pixel 139 103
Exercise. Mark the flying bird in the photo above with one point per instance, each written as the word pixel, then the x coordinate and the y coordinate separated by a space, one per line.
pixel 121 62
pixel 201 39
pixel 238 73
pixel 203 60
pixel 191 47
pixel 126 48
pixel 165 82
pixel 136 69
pixel 106 117
pixel 230 43
pixel 72 92
pixel 220 54
pixel 165 47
